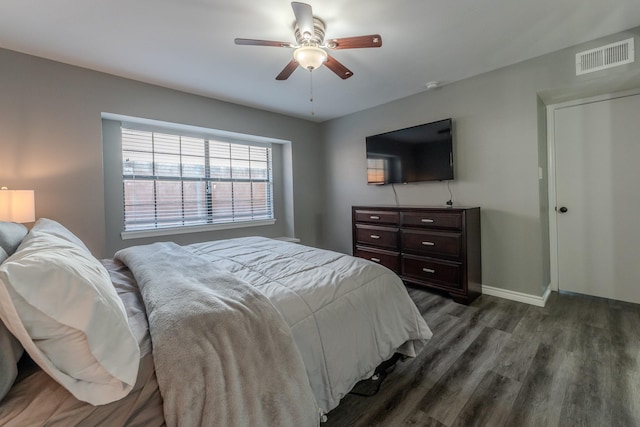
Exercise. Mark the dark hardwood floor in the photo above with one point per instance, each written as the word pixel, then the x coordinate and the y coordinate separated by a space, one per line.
pixel 575 362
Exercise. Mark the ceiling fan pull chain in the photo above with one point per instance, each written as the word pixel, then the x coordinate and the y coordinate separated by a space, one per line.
pixel 311 91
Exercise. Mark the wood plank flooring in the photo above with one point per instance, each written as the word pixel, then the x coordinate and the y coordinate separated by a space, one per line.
pixel 575 362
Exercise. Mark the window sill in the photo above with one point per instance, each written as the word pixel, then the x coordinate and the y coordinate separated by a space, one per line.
pixel 127 235
pixel 288 239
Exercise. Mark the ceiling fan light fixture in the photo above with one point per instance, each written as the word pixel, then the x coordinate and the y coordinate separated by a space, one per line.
pixel 310 57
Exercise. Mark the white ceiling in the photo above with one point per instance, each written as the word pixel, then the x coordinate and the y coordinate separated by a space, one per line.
pixel 188 44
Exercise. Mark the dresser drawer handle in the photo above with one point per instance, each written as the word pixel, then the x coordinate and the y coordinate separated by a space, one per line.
pixel 375 259
pixel 374 217
pixel 426 220
pixel 428 243
pixel 428 270
pixel 375 236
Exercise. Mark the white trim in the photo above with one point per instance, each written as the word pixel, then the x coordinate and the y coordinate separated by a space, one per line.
pixel 551 190
pixel 518 296
pixel 551 165
pixel 151 124
pixel 597 98
pixel 126 235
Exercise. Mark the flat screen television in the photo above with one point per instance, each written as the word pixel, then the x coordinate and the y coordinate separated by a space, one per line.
pixel 415 154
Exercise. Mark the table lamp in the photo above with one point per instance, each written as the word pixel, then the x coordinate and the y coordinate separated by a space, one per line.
pixel 17 205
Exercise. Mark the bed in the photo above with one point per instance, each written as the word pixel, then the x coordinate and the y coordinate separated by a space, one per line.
pixel 247 331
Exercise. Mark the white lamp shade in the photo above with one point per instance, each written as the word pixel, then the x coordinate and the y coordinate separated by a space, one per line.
pixel 17 205
pixel 310 57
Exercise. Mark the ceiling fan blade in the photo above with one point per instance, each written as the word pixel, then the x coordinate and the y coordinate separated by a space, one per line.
pixel 372 40
pixel 286 72
pixel 304 18
pixel 253 42
pixel 335 66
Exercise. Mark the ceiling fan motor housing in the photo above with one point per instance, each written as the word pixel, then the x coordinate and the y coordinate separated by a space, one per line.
pixel 315 39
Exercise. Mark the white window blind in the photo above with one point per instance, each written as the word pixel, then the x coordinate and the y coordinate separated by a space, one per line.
pixel 179 181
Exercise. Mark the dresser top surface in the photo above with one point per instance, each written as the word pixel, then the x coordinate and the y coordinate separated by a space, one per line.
pixel 414 207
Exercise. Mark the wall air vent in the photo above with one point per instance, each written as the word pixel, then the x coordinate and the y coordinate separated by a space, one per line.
pixel 603 57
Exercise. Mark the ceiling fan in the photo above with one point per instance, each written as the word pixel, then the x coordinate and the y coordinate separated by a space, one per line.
pixel 310 47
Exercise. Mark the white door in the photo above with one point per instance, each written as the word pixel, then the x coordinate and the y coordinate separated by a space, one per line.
pixel 597 148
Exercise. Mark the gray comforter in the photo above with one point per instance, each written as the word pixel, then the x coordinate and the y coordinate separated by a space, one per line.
pixel 223 353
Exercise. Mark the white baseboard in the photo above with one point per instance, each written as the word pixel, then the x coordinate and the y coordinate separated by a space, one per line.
pixel 518 296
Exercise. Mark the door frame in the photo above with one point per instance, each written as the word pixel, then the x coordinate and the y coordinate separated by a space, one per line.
pixel 551 172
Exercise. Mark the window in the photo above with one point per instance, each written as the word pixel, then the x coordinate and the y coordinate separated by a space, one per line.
pixel 377 170
pixel 172 180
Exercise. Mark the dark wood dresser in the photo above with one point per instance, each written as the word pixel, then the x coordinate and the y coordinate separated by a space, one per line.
pixel 428 247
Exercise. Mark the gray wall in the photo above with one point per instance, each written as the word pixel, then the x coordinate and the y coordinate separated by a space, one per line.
pixel 51 142
pixel 499 144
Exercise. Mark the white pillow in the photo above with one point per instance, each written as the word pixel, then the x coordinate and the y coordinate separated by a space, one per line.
pixel 58 300
pixel 49 226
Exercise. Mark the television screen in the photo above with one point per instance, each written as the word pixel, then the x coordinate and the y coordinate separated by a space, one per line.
pixel 415 154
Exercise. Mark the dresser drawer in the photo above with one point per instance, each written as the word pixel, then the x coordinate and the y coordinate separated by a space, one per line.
pixel 385 237
pixel 391 260
pixel 451 220
pixel 433 271
pixel 377 217
pixel 432 243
